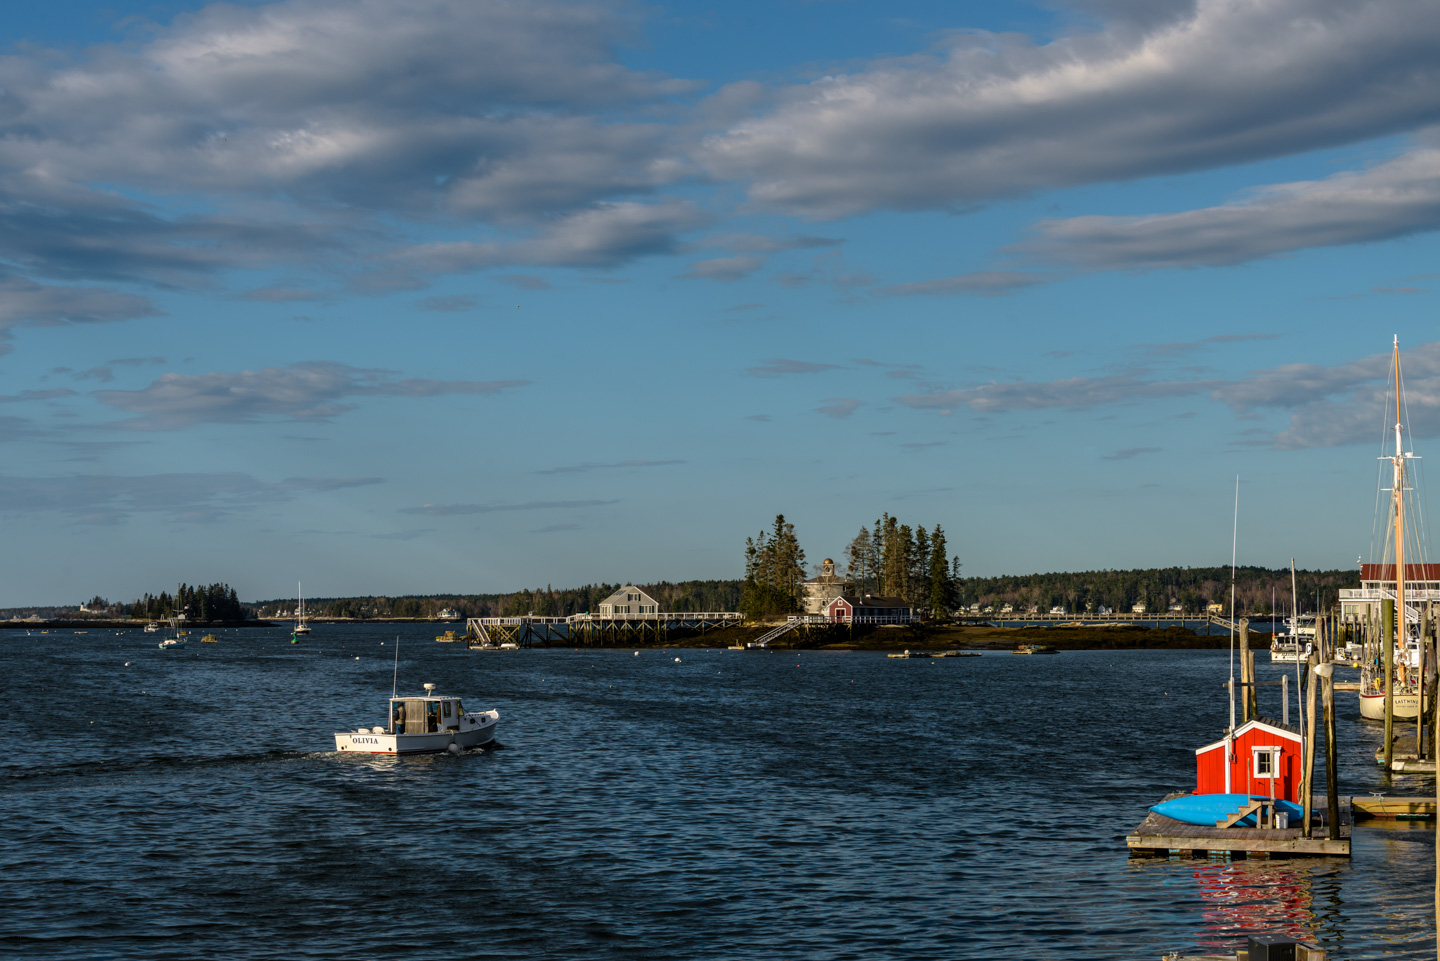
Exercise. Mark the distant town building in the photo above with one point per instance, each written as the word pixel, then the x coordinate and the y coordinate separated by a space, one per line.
pixel 1137 609
pixel 1216 608
pixel 1057 609
pixel 628 600
pixel 820 591
pixel 1422 583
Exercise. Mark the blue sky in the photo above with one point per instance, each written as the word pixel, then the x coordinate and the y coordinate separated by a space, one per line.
pixel 473 296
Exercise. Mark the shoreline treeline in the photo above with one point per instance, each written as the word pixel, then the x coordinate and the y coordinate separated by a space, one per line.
pixel 1258 590
pixel 890 560
pixel 217 602
pixel 696 595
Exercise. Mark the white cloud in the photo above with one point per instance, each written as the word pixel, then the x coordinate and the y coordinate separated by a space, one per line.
pixel 984 284
pixel 606 235
pixel 26 303
pixel 991 115
pixel 725 269
pixel 110 498
pixel 448 510
pixel 1390 200
pixel 1326 406
pixel 317 390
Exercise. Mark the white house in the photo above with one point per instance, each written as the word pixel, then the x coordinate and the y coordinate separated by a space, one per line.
pixel 628 600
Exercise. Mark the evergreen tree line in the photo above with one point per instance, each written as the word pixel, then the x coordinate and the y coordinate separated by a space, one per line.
pixel 217 602
pixel 695 595
pixel 1258 590
pixel 894 560
pixel 774 571
pixel 891 560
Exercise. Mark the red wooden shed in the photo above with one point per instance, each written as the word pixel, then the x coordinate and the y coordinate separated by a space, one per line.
pixel 1261 748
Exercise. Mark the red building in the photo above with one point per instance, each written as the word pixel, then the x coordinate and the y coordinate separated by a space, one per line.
pixel 870 609
pixel 1261 748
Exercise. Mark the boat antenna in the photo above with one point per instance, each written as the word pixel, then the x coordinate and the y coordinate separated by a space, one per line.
pixel 1295 638
pixel 1234 539
pixel 395 677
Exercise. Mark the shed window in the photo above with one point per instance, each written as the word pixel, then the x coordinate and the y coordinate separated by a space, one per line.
pixel 1267 762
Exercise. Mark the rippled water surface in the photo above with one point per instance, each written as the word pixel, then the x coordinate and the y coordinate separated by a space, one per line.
pixel 732 805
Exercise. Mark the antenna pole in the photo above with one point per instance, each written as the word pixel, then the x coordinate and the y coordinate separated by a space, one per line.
pixel 1230 731
pixel 395 678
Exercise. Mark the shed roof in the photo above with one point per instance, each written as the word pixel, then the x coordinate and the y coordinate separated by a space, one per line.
pixel 875 600
pixel 1274 727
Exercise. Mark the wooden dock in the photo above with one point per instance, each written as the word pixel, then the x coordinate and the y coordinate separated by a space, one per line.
pixel 589 629
pixel 1393 808
pixel 1159 836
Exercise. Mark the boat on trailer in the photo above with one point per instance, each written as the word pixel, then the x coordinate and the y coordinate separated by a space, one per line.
pixel 429 724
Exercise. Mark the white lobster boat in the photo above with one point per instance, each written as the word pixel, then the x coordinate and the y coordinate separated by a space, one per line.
pixel 431 724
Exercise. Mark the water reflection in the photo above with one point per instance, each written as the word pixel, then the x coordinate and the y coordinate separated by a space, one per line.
pixel 1242 898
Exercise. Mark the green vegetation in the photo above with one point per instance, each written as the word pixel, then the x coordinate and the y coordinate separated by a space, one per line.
pixel 714 595
pixel 774 571
pixel 1258 590
pixel 895 561
pixel 214 603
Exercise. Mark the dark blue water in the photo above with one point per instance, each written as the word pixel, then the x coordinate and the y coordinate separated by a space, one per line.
pixel 735 805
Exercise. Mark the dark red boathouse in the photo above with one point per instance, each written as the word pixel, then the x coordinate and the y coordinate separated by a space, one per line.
pixel 1261 748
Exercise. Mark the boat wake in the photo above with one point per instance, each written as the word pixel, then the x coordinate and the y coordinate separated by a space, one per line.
pixel 158 763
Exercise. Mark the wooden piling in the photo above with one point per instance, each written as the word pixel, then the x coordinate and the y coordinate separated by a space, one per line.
pixel 1387 646
pixel 1247 674
pixel 1308 786
pixel 1327 689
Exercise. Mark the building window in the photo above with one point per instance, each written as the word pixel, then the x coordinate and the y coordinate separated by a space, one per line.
pixel 1267 762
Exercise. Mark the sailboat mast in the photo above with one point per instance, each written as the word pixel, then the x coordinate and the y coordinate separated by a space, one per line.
pixel 1398 494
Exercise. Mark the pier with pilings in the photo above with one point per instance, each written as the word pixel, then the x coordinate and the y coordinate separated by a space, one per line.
pixel 1159 619
pixel 592 630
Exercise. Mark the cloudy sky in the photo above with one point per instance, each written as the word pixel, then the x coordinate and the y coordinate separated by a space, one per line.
pixel 473 295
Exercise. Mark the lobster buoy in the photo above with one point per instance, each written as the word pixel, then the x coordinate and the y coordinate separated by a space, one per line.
pixel 453 748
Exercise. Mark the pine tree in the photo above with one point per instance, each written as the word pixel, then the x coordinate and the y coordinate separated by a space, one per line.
pixel 942 590
pixel 857 560
pixel 919 569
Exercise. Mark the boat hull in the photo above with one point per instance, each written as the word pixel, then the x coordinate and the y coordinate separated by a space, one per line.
pixel 360 742
pixel 1406 707
pixel 1206 809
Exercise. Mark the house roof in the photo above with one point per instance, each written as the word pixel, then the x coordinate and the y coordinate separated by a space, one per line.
pixel 1413 572
pixel 875 600
pixel 1274 727
pixel 619 596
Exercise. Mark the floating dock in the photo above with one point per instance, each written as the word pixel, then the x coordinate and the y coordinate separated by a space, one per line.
pixel 1393 808
pixel 1159 836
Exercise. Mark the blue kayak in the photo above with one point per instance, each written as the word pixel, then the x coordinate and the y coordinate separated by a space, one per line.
pixel 1206 809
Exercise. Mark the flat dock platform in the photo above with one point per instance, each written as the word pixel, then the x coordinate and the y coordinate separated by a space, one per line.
pixel 1393 808
pixel 1159 836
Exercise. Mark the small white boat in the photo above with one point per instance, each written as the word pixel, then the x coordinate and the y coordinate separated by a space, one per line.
pixel 430 724
pixel 171 643
pixel 152 628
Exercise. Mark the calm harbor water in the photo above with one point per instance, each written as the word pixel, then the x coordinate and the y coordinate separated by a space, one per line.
pixel 734 805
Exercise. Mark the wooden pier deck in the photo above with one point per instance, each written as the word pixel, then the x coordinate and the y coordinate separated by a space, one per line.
pixel 1159 836
pixel 592 628
pixel 1393 808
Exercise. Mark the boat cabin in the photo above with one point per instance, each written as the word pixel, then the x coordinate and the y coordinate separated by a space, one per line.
pixel 424 715
pixel 1264 752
